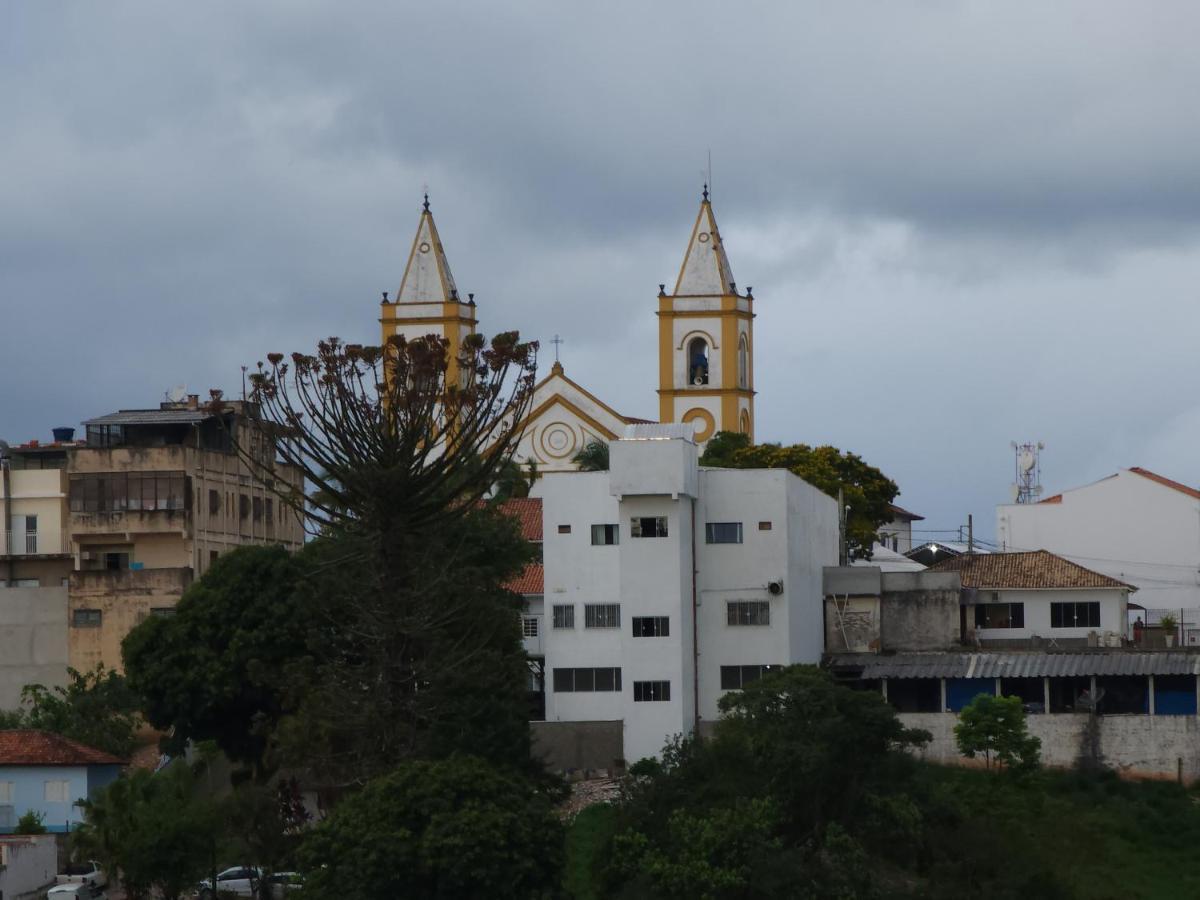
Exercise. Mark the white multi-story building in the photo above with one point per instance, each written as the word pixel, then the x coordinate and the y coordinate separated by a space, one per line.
pixel 1135 526
pixel 667 584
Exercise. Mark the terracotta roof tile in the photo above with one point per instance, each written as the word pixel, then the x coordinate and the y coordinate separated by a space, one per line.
pixel 528 512
pixel 899 512
pixel 1035 570
pixel 531 581
pixel 42 748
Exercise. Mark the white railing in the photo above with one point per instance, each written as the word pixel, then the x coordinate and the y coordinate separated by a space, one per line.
pixel 34 543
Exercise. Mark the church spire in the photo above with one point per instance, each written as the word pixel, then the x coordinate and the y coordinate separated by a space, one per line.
pixel 705 271
pixel 427 277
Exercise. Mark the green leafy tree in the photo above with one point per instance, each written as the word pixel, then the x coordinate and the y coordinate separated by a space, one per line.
pixel 593 457
pixel 515 480
pixel 866 491
pixel 96 708
pixel 995 728
pixel 217 669
pixel 154 832
pixel 31 823
pixel 456 828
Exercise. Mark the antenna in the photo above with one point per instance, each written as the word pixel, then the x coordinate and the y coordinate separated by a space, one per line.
pixel 709 179
pixel 177 394
pixel 1027 486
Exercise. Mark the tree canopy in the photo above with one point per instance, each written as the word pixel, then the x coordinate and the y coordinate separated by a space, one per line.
pixel 995 728
pixel 97 708
pixel 866 491
pixel 593 457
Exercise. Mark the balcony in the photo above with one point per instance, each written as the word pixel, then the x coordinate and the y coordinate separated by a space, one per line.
pixel 43 544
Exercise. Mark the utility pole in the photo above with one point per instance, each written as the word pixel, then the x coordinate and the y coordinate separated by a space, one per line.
pixel 970 535
pixel 843 555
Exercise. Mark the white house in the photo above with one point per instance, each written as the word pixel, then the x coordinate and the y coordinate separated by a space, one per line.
pixel 667 584
pixel 1135 526
pixel 896 535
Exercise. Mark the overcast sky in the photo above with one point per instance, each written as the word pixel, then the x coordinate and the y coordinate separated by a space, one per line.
pixel 965 223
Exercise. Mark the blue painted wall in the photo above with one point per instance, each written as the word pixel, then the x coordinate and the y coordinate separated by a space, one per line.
pixel 29 792
pixel 961 691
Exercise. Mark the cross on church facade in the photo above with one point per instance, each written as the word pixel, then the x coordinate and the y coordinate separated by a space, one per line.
pixel 556 341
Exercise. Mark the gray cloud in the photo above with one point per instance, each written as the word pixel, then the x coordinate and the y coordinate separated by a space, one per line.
pixel 965 223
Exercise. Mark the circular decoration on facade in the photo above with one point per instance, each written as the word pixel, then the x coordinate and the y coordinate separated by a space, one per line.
pixel 703 237
pixel 558 440
pixel 702 421
pixel 423 246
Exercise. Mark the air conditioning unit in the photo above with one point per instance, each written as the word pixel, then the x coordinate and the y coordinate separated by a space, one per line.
pixel 774 588
pixel 87 556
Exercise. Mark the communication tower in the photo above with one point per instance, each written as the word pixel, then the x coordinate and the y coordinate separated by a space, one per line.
pixel 1028 485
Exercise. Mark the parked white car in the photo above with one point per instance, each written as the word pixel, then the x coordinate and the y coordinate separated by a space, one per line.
pixel 83 873
pixel 240 881
pixel 77 891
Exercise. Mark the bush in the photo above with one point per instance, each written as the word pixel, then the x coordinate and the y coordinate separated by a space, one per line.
pixel 31 823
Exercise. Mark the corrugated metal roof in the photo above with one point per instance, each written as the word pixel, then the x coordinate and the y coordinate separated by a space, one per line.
pixel 152 417
pixel 659 432
pixel 1019 664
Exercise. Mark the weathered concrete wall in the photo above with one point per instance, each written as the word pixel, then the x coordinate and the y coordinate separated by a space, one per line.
pixel 27 865
pixel 124 598
pixel 33 640
pixel 568 746
pixel 919 611
pixel 851 624
pixel 1133 745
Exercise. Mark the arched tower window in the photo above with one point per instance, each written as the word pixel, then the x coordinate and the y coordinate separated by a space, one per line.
pixel 697 361
pixel 743 363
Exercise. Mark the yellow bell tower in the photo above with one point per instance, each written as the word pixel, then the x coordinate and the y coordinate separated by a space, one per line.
pixel 427 301
pixel 706 339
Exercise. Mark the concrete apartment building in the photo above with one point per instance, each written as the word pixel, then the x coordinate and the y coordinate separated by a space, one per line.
pixel 107 531
pixel 667 584
pixel 35 564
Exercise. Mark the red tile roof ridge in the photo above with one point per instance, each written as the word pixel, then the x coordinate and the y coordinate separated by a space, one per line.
pixel 1166 482
pixel 29 747
pixel 1029 570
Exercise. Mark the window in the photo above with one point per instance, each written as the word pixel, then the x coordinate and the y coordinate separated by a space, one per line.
pixel 697 361
pixel 743 363
pixel 86 618
pixel 564 615
pixel 243 506
pixel 564 529
pixel 723 533
pixel 748 612
pixel 734 678
pixel 602 615
pixel 582 681
pixel 270 511
pixel 213 556
pixel 604 535
pixel 651 691
pixel 163 611
pixel 651 626
pixel 1000 615
pixel 648 527
pixel 119 491
pixel 529 626
pixel 764 526
pixel 115 562
pixel 7 817
pixel 31 534
pixel 6 792
pixel 58 791
pixel 257 504
pixel 1075 615
pixel 214 502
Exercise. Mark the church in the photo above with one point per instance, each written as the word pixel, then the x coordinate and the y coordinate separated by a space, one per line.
pixel 705 347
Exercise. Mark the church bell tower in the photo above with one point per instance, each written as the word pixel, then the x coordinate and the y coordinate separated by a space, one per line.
pixel 706 339
pixel 427 301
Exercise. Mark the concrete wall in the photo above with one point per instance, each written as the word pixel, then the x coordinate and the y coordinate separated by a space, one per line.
pixel 575 746
pixel 27 865
pixel 124 598
pixel 919 611
pixel 1108 525
pixel 33 640
pixel 1133 745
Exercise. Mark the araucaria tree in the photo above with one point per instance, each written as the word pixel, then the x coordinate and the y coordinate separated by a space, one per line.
pixel 994 727
pixel 414 645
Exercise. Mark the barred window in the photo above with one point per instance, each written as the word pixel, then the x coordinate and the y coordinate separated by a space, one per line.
pixel 651 626
pixel 605 535
pixel 86 618
pixel 734 678
pixel 648 526
pixel 602 615
pixel 651 691
pixel 748 612
pixel 583 681
pixel 723 533
pixel 529 626
pixel 564 615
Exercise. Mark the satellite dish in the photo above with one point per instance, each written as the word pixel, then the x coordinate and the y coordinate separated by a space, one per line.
pixel 1026 460
pixel 178 393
